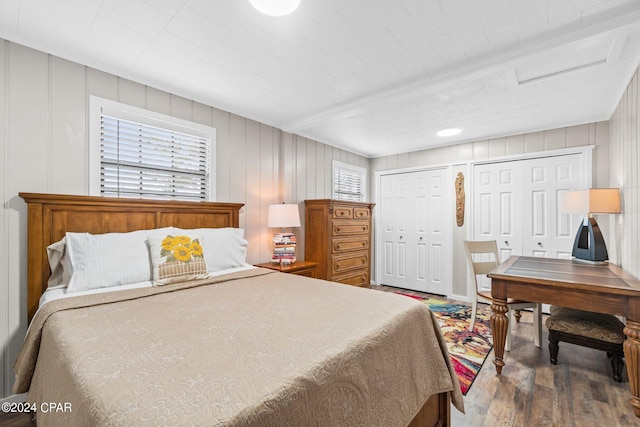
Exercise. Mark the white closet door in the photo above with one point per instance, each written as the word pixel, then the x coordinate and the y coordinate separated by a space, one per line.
pixel 516 204
pixel 547 232
pixel 420 243
pixel 433 253
pixel 497 207
pixel 413 248
pixel 398 203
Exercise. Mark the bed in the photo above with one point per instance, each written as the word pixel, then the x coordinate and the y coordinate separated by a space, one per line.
pixel 242 346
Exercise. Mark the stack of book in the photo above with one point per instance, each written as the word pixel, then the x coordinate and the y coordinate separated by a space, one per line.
pixel 284 248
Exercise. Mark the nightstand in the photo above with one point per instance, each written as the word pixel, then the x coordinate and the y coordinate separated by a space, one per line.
pixel 301 268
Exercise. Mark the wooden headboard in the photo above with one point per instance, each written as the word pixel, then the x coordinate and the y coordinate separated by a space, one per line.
pixel 50 216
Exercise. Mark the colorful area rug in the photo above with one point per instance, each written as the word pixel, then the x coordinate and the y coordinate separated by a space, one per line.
pixel 468 350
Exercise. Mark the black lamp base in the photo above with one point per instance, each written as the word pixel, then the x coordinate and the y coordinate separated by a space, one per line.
pixel 589 244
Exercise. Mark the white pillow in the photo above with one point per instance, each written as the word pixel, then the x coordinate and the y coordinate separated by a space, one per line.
pixel 223 247
pixel 111 259
pixel 177 257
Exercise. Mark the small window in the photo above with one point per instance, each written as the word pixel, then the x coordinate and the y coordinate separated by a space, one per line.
pixel 349 182
pixel 143 154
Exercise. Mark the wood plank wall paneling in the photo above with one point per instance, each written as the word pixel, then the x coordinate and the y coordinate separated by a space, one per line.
pixel 27 165
pixel 624 167
pixel 5 364
pixel 68 115
pixel 43 148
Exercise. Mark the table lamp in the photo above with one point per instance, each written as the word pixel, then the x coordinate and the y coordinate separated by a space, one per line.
pixel 284 244
pixel 589 244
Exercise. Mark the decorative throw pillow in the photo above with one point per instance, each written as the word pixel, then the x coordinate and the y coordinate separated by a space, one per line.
pixel 177 258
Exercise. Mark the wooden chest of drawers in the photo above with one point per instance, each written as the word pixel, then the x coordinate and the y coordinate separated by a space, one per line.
pixel 338 238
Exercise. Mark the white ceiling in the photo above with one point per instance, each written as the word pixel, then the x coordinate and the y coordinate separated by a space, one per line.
pixel 375 77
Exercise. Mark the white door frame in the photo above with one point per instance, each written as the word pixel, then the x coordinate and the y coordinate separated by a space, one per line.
pixel 449 216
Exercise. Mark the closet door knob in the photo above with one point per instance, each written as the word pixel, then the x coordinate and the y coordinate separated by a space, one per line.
pixel 506 242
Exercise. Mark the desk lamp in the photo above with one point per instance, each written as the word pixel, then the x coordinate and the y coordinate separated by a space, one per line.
pixel 589 244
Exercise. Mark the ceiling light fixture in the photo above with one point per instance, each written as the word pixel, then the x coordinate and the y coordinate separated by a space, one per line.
pixel 449 132
pixel 275 7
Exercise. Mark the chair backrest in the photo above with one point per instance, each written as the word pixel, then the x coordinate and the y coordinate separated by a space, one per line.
pixel 482 264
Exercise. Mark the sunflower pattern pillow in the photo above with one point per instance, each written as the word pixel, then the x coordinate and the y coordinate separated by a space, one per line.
pixel 177 258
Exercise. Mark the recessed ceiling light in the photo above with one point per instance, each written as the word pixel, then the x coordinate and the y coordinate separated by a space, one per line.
pixel 275 7
pixel 449 132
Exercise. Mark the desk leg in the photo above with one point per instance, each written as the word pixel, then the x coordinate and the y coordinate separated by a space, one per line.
pixel 499 327
pixel 632 360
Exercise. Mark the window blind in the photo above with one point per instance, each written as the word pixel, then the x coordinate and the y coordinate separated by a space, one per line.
pixel 138 160
pixel 348 184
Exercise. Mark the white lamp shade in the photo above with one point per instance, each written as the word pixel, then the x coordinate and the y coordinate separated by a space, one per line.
pixel 283 215
pixel 591 201
pixel 275 7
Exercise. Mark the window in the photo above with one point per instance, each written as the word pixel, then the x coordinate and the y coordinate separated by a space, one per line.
pixel 141 154
pixel 349 182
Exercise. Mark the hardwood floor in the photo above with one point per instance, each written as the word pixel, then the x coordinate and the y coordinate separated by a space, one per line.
pixel 578 392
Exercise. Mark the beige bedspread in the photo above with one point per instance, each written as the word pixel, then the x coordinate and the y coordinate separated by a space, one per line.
pixel 255 348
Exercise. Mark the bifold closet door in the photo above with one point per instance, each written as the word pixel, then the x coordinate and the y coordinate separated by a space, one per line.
pixel 413 235
pixel 546 232
pixel 516 203
pixel 498 206
pixel 497 209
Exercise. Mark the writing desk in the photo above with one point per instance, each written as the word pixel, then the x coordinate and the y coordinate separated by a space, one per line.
pixel 567 283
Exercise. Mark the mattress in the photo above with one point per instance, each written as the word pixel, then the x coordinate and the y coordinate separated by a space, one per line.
pixel 250 348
